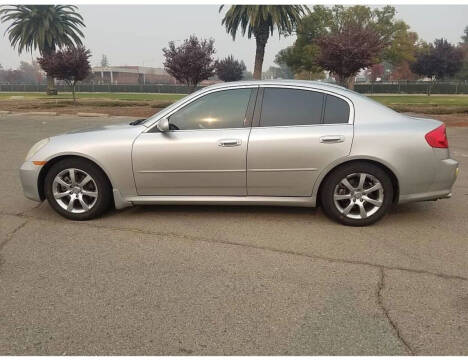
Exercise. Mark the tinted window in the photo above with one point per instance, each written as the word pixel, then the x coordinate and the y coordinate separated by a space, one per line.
pixel 291 107
pixel 336 110
pixel 219 110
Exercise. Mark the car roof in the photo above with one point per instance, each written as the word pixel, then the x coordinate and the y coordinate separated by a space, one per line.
pixel 304 83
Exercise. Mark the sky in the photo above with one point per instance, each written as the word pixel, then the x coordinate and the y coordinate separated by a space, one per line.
pixel 136 34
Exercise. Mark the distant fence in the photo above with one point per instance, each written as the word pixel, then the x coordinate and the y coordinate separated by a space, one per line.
pixel 412 87
pixel 138 88
pixel 401 87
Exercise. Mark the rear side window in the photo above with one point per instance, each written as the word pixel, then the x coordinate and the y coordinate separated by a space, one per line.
pixel 336 110
pixel 289 107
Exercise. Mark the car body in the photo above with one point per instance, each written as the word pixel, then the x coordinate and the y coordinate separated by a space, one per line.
pixel 292 135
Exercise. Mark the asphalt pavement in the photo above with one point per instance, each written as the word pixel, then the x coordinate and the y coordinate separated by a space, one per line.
pixel 227 280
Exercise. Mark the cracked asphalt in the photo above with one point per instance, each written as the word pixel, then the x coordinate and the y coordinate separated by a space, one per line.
pixel 200 280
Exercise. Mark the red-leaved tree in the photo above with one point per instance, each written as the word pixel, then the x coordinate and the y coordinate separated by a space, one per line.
pixel 376 71
pixel 229 69
pixel 191 62
pixel 70 64
pixel 347 50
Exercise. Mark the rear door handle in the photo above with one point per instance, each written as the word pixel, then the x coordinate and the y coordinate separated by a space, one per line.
pixel 328 139
pixel 229 142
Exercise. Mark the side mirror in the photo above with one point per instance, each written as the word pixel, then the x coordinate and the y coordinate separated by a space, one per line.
pixel 163 125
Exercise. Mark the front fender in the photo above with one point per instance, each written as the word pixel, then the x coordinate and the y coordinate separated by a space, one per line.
pixel 110 150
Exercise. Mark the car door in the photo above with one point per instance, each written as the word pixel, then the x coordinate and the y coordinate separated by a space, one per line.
pixel 203 153
pixel 296 133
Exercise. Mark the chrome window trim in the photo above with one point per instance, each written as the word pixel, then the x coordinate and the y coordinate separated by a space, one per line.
pixel 191 99
pixel 295 126
pixel 299 87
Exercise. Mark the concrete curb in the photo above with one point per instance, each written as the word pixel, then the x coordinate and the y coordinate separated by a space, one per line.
pixel 52 113
pixel 92 114
pixel 48 113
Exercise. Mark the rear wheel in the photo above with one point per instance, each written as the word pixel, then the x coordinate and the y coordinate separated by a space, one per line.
pixel 77 189
pixel 357 194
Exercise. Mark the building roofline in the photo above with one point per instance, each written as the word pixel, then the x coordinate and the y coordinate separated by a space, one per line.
pixel 130 70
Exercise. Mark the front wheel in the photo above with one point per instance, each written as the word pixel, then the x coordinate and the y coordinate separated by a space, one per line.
pixel 357 194
pixel 77 189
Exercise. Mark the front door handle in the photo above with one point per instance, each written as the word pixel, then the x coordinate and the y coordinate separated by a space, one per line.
pixel 229 142
pixel 328 139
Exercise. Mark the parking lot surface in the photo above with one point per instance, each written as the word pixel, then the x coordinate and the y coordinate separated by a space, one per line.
pixel 201 280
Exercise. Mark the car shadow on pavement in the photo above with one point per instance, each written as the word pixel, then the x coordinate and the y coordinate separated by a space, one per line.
pixel 416 210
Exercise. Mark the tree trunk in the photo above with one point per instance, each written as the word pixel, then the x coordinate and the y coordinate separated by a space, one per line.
pixel 51 90
pixel 342 80
pixel 73 92
pixel 191 87
pixel 431 85
pixel 261 38
pixel 345 81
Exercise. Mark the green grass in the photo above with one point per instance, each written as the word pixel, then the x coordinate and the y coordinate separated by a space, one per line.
pixel 433 100
pixel 422 100
pixel 84 95
pixel 434 104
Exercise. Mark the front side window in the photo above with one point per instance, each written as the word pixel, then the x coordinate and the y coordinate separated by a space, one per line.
pixel 219 110
pixel 289 107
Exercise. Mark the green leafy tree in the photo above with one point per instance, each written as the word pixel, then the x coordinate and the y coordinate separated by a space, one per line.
pixel 247 75
pixel 463 73
pixel 398 42
pixel 465 36
pixel 31 72
pixel 278 72
pixel 260 21
pixel 301 57
pixel 45 28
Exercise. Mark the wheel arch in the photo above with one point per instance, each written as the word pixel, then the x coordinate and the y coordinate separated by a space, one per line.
pixel 42 174
pixel 384 166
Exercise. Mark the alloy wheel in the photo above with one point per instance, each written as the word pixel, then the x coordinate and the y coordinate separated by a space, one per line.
pixel 358 195
pixel 75 190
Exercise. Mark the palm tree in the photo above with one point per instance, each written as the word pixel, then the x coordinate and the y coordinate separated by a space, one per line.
pixel 260 21
pixel 44 28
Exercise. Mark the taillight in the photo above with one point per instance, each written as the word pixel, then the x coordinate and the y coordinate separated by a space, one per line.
pixel 437 138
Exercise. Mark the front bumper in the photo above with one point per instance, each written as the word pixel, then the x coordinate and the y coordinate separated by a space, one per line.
pixel 29 174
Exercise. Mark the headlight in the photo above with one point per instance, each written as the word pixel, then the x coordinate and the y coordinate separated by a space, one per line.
pixel 36 147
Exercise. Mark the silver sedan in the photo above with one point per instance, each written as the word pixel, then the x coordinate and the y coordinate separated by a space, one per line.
pixel 286 143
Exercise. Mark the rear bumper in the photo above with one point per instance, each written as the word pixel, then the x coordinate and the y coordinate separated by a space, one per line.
pixel 441 188
pixel 28 175
pixel 434 195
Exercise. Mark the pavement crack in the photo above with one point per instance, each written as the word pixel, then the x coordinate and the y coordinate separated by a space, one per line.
pixel 393 324
pixel 266 248
pixel 284 251
pixel 10 235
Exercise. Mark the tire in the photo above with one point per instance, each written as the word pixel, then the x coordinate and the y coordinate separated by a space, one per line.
pixel 352 204
pixel 91 190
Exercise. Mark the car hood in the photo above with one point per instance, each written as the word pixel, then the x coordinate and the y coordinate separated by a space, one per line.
pixel 103 128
